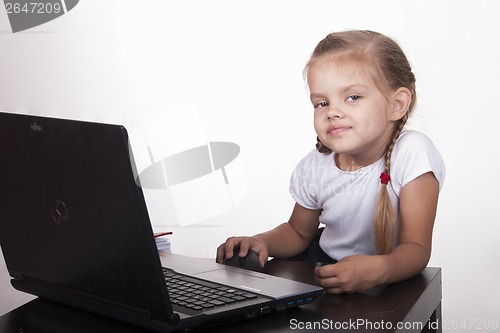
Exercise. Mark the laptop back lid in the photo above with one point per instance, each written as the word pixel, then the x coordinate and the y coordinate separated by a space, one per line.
pixel 67 224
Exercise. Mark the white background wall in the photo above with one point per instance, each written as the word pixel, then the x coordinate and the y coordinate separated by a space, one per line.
pixel 239 64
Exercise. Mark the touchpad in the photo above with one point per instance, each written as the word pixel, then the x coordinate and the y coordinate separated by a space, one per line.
pixel 224 273
pixel 238 278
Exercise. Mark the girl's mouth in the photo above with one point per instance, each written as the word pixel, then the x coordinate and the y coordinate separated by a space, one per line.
pixel 335 130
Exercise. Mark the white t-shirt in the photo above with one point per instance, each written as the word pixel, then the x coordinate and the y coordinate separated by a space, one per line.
pixel 348 198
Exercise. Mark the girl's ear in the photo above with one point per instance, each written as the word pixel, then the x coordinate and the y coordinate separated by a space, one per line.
pixel 401 100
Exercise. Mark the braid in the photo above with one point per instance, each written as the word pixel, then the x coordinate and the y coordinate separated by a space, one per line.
pixel 385 219
pixel 321 147
pixel 390 146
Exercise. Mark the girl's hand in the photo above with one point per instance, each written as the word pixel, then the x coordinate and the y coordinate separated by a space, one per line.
pixel 256 244
pixel 352 274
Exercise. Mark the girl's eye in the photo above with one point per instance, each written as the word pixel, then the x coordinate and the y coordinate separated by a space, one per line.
pixel 352 98
pixel 321 105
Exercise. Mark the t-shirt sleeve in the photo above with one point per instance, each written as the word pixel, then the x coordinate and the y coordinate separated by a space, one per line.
pixel 303 186
pixel 413 156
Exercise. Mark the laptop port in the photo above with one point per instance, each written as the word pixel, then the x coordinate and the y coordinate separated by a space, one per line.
pixel 280 307
pixel 265 309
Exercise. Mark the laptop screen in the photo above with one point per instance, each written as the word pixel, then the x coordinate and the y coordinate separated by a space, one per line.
pixel 71 214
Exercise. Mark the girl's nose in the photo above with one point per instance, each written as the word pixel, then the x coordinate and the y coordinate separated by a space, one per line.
pixel 334 112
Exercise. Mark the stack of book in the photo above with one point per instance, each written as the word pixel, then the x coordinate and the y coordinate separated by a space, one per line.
pixel 162 243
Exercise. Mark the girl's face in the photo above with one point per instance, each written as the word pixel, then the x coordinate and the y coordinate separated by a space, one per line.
pixel 351 116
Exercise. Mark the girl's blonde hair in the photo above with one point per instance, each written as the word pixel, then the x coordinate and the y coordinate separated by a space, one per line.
pixel 384 61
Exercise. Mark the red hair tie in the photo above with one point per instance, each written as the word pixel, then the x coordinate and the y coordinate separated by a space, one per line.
pixel 385 178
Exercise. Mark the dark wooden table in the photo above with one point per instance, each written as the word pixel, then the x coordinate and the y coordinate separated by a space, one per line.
pixel 413 305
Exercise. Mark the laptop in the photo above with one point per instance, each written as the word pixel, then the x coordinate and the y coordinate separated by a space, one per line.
pixel 74 228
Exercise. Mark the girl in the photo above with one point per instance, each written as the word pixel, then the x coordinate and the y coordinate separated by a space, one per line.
pixel 372 183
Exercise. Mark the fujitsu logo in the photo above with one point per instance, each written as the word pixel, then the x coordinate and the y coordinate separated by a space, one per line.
pixel 35 127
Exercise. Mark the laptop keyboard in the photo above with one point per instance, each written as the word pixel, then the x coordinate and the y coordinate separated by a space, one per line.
pixel 198 295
